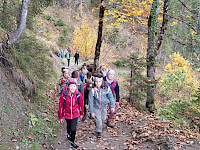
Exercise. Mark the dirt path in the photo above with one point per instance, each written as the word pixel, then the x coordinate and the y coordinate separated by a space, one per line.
pixel 134 130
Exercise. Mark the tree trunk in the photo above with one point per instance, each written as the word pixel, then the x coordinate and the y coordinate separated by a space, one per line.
pixel 99 39
pixel 14 36
pixel 151 54
pixel 154 47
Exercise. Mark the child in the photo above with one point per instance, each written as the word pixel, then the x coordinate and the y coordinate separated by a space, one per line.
pixel 86 94
pixel 112 83
pixel 98 98
pixel 70 108
pixel 63 81
pixel 82 74
pixel 89 78
pixel 80 83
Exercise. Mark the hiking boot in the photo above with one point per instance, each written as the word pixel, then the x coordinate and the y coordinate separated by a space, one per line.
pixel 74 145
pixel 84 117
pixel 68 137
pixel 98 134
pixel 110 125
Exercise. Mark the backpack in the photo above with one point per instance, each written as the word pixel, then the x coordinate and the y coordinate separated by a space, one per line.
pixel 93 90
pixel 62 81
pixel 65 93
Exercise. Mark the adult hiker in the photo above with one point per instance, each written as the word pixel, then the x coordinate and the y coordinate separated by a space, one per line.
pixel 63 81
pixel 76 56
pixel 86 99
pixel 70 108
pixel 61 53
pixel 112 83
pixel 69 51
pixel 68 57
pixel 79 82
pixel 98 98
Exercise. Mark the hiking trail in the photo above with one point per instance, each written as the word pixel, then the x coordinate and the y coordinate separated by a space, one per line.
pixel 133 130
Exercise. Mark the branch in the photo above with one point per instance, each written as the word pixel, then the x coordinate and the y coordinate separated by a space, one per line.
pixel 188 24
pixel 164 24
pixel 175 40
pixel 185 6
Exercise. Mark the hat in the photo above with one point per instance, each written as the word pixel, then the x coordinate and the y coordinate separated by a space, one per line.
pixel 65 70
pixel 98 78
pixel 72 82
pixel 89 85
pixel 111 72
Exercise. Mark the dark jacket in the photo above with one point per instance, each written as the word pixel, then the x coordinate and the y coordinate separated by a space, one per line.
pixel 76 56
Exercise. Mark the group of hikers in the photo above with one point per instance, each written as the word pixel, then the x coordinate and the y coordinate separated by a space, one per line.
pixel 80 92
pixel 67 54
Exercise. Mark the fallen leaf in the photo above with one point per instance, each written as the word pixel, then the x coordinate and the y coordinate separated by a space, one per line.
pixel 176 147
pixel 13 139
pixel 15 133
pixel 46 135
pixel 182 138
pixel 102 146
pixel 52 146
pixel 30 137
pixel 134 135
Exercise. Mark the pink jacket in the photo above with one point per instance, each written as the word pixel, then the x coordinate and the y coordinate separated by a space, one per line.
pixel 72 108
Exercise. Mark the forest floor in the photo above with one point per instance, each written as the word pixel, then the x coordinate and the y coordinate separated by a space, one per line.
pixel 134 130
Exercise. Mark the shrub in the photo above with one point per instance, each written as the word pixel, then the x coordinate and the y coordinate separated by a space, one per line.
pixel 48 17
pixel 59 22
pixel 180 81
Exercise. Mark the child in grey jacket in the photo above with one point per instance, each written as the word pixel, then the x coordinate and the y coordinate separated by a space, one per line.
pixel 98 98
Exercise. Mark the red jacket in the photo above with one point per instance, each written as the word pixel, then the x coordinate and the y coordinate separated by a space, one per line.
pixel 72 108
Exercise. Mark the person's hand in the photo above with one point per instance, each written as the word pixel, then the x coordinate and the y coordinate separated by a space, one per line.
pixel 81 117
pixel 87 107
pixel 93 115
pixel 117 104
pixel 61 121
pixel 112 110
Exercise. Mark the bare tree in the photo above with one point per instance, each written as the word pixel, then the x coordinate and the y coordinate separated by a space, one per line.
pixel 14 36
pixel 99 39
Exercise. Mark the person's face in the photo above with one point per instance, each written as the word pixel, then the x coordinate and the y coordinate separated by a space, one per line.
pixel 66 74
pixel 83 70
pixel 72 88
pixel 85 67
pixel 98 83
pixel 110 76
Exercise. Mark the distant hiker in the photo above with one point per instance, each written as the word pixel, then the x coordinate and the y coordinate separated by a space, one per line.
pixel 67 55
pixel 98 98
pixel 69 51
pixel 89 78
pixel 85 68
pixel 63 81
pixel 76 56
pixel 82 74
pixel 86 99
pixel 61 53
pixel 70 108
pixel 112 83
pixel 79 82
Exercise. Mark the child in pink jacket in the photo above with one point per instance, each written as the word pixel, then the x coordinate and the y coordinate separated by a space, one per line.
pixel 70 108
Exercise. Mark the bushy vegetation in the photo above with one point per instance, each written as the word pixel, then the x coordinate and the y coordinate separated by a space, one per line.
pixel 33 60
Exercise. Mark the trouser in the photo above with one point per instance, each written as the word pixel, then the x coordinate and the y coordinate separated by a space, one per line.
pixel 100 117
pixel 111 115
pixel 71 127
pixel 76 61
pixel 68 61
